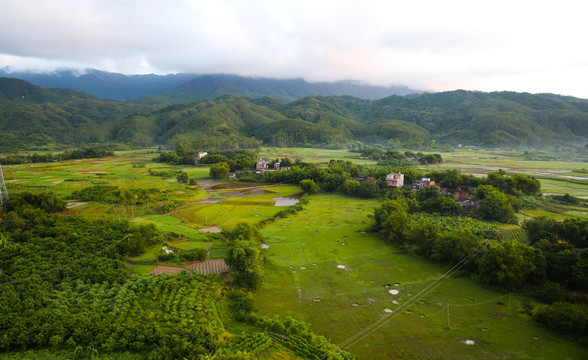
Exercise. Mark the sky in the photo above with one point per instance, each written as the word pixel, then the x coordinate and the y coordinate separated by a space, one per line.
pixel 431 45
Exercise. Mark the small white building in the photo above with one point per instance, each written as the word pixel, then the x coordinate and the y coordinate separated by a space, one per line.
pixel 395 180
pixel 199 156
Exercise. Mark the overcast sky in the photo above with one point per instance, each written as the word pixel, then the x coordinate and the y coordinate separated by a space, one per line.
pixel 436 45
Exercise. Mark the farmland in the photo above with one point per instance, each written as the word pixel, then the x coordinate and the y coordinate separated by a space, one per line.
pixel 322 266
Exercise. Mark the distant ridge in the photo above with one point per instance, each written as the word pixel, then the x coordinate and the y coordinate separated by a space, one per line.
pixel 32 117
pixel 104 85
pixel 213 86
pixel 174 88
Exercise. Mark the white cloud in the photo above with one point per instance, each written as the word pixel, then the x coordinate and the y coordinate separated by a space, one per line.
pixel 533 46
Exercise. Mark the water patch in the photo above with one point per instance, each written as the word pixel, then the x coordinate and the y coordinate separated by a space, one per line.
pixel 210 201
pixel 287 200
pixel 231 185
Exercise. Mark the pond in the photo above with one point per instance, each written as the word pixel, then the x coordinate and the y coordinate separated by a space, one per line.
pixel 244 190
pixel 287 200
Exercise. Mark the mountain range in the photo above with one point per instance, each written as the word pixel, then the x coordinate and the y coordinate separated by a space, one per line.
pixel 33 117
pixel 174 88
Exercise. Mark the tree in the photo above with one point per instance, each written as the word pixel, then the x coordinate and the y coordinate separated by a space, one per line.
pixel 540 228
pixel 349 187
pixel 391 219
pixel 495 205
pixel 511 265
pixel 245 258
pixel 219 171
pixel 286 162
pixel 453 246
pixel 443 205
pixel 309 187
pixel 421 236
pixel 183 177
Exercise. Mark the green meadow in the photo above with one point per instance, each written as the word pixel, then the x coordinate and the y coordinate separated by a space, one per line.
pixel 324 267
pixel 327 270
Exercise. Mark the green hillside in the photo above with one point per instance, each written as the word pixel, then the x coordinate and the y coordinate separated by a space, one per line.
pixel 31 116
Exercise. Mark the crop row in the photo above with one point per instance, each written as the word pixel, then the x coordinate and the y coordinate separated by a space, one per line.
pixel 510 235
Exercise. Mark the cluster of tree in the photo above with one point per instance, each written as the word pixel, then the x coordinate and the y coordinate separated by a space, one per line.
pixel 86 153
pixel 548 256
pixel 180 156
pixel 396 158
pixel 244 257
pixel 235 159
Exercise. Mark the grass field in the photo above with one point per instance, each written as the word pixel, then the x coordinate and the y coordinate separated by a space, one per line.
pixel 324 268
pixel 302 271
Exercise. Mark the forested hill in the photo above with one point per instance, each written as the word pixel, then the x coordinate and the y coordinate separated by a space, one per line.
pixel 33 117
pixel 174 88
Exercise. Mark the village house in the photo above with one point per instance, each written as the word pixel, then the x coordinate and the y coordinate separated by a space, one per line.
pixel 460 194
pixel 395 180
pixel 260 166
pixel 470 204
pixel 199 156
pixel 423 183
pixel 362 178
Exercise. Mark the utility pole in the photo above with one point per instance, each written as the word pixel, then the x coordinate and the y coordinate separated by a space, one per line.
pixel 3 191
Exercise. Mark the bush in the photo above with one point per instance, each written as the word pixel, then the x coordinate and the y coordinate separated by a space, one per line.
pixel 568 318
pixel 194 255
pixel 219 171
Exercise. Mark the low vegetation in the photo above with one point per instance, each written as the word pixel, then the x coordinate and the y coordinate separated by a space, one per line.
pixel 76 273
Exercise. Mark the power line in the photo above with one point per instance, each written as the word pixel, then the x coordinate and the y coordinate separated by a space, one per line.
pixel 383 321
pixel 3 192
